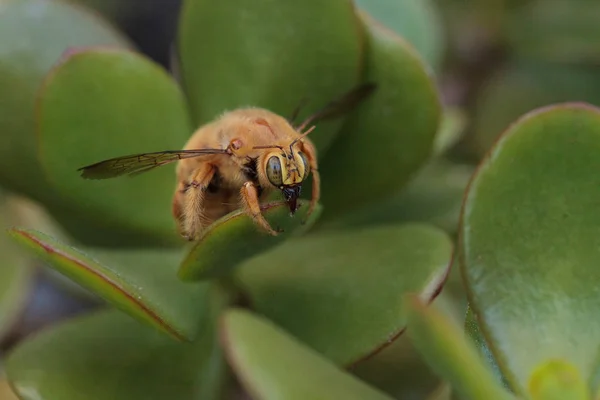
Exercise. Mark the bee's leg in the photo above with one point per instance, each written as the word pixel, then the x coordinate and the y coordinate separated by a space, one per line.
pixel 193 201
pixel 250 199
pixel 311 155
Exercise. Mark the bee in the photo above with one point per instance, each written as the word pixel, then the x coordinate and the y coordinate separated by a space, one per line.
pixel 234 162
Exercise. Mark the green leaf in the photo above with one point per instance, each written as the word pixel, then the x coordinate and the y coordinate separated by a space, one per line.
pixel 141 282
pixel 558 380
pixel 36 33
pixel 271 55
pixel 442 392
pixel 391 134
pixel 108 355
pixel 417 21
pixel 100 104
pixel 434 196
pixel 323 286
pixel 524 86
pixel 452 127
pixel 16 276
pixel 474 333
pixel 399 369
pixel 453 357
pixel 274 365
pixel 530 230
pixel 235 238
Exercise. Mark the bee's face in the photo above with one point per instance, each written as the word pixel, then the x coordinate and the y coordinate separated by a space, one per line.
pixel 286 171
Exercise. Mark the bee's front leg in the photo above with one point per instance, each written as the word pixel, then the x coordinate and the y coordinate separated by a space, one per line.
pixel 190 210
pixel 250 199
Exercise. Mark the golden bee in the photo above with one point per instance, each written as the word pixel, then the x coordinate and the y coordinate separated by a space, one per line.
pixel 236 161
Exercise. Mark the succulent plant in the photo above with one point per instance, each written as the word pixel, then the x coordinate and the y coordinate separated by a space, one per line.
pixel 527 255
pixel 181 318
pixel 420 276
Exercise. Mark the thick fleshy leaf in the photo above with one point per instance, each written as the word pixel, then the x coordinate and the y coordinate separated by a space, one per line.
pixel 399 369
pixel 417 21
pixel 452 127
pixel 474 333
pixel 235 237
pixel 269 54
pixel 141 282
pixel 273 365
pixel 16 273
pixel 530 230
pixel 455 359
pixel 108 355
pixel 442 392
pixel 434 195
pixel 99 104
pixel 558 380
pixel 341 292
pixel 390 135
pixel 35 33
pixel 524 86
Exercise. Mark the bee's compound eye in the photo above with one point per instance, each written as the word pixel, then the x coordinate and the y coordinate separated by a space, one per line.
pixel 274 171
pixel 306 165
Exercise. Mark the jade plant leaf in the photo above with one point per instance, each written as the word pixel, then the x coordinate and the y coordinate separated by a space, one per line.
pixel 341 292
pixel 39 31
pixel 390 135
pixel 274 365
pixel 399 369
pixel 235 237
pixel 417 21
pixel 558 380
pixel 16 273
pixel 140 282
pixel 108 355
pixel 474 333
pixel 450 354
pixel 451 129
pixel 275 56
pixel 103 103
pixel 530 242
pixel 434 196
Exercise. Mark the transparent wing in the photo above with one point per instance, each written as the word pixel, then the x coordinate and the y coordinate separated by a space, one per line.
pixel 138 163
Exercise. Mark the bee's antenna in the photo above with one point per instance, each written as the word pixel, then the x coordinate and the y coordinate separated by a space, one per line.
pixel 302 136
pixel 299 107
pixel 272 146
pixel 343 104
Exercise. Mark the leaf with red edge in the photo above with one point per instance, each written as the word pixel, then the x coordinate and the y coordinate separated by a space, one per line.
pixel 341 293
pixel 142 282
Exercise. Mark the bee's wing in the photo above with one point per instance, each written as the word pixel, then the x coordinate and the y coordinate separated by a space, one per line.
pixel 340 105
pixel 138 163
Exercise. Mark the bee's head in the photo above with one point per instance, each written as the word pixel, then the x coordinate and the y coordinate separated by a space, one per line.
pixel 286 170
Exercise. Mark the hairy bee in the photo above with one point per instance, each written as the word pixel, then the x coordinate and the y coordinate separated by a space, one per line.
pixel 235 161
